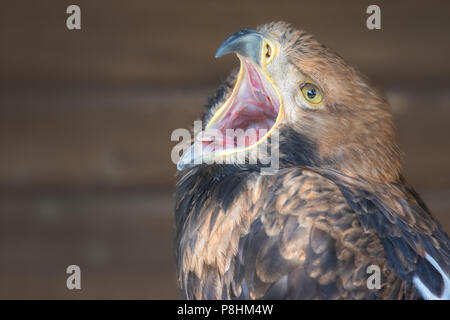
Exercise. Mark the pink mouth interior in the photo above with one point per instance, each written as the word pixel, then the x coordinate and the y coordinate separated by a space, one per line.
pixel 255 105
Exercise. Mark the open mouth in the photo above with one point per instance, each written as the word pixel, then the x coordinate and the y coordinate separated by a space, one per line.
pixel 248 116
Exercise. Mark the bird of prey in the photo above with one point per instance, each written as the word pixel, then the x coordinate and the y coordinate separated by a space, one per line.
pixel 337 208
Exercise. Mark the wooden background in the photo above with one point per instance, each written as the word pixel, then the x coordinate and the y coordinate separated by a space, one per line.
pixel 86 118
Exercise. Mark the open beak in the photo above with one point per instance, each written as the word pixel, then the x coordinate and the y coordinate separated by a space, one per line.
pixel 253 110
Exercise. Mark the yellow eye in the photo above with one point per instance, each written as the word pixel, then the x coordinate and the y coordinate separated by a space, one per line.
pixel 312 93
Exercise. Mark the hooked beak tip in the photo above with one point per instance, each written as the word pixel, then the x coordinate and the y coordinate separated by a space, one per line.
pixel 246 43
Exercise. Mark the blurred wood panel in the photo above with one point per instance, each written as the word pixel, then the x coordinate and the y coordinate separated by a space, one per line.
pixel 96 107
pixel 122 243
pixel 96 138
pixel 86 117
pixel 173 42
pixel 121 138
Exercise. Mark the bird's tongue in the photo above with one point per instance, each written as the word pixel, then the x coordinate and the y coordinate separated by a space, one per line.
pixel 253 108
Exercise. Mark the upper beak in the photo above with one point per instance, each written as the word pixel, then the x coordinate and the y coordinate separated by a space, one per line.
pixel 246 43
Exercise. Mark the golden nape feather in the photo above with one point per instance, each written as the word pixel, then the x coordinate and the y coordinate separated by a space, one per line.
pixel 336 205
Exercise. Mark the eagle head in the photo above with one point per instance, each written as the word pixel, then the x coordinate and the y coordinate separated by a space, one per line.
pixel 325 113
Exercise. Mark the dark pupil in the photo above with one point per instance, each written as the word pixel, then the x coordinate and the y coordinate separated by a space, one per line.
pixel 311 93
